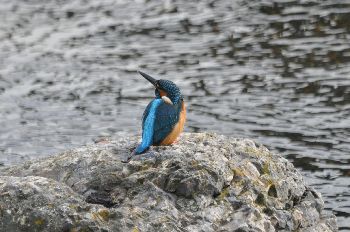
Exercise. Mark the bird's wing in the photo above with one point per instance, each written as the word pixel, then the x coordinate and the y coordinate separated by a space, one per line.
pixel 166 118
pixel 148 125
pixel 145 113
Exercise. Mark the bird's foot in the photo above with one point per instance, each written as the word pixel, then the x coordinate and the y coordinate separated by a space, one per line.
pixel 128 157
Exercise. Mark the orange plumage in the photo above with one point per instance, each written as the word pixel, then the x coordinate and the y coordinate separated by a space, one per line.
pixel 178 128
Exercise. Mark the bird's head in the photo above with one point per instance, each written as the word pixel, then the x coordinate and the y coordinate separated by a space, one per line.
pixel 165 89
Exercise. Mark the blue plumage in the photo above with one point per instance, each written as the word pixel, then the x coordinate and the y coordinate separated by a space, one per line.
pixel 148 125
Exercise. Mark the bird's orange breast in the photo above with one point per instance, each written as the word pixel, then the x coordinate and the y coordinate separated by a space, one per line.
pixel 162 93
pixel 178 128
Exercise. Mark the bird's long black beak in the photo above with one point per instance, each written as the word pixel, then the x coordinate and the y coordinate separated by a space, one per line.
pixel 149 78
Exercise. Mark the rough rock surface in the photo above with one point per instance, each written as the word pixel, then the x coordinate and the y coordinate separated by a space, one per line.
pixel 205 182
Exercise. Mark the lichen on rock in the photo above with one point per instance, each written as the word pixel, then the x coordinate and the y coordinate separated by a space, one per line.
pixel 205 182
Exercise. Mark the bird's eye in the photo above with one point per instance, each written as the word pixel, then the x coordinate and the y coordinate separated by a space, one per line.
pixel 157 84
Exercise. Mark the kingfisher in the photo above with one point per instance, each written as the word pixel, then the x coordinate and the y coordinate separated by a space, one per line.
pixel 164 117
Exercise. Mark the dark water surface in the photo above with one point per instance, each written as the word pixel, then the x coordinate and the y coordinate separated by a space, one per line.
pixel 274 71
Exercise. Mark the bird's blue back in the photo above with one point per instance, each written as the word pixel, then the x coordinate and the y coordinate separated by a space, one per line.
pixel 158 121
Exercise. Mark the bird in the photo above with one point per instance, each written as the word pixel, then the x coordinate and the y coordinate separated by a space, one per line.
pixel 164 117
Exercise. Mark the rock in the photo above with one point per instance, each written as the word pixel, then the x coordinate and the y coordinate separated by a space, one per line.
pixel 205 182
pixel 41 204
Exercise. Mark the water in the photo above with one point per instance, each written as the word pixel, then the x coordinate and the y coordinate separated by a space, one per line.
pixel 275 71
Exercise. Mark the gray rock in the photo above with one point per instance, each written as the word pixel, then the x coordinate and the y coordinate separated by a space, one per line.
pixel 205 182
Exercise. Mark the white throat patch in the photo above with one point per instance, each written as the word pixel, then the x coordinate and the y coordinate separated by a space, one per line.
pixel 167 100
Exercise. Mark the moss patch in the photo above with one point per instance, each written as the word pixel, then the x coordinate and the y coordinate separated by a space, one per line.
pixel 104 214
pixel 223 194
pixel 266 168
pixel 39 222
pixel 237 172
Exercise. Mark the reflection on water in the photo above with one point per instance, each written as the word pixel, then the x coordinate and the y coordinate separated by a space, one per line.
pixel 276 71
